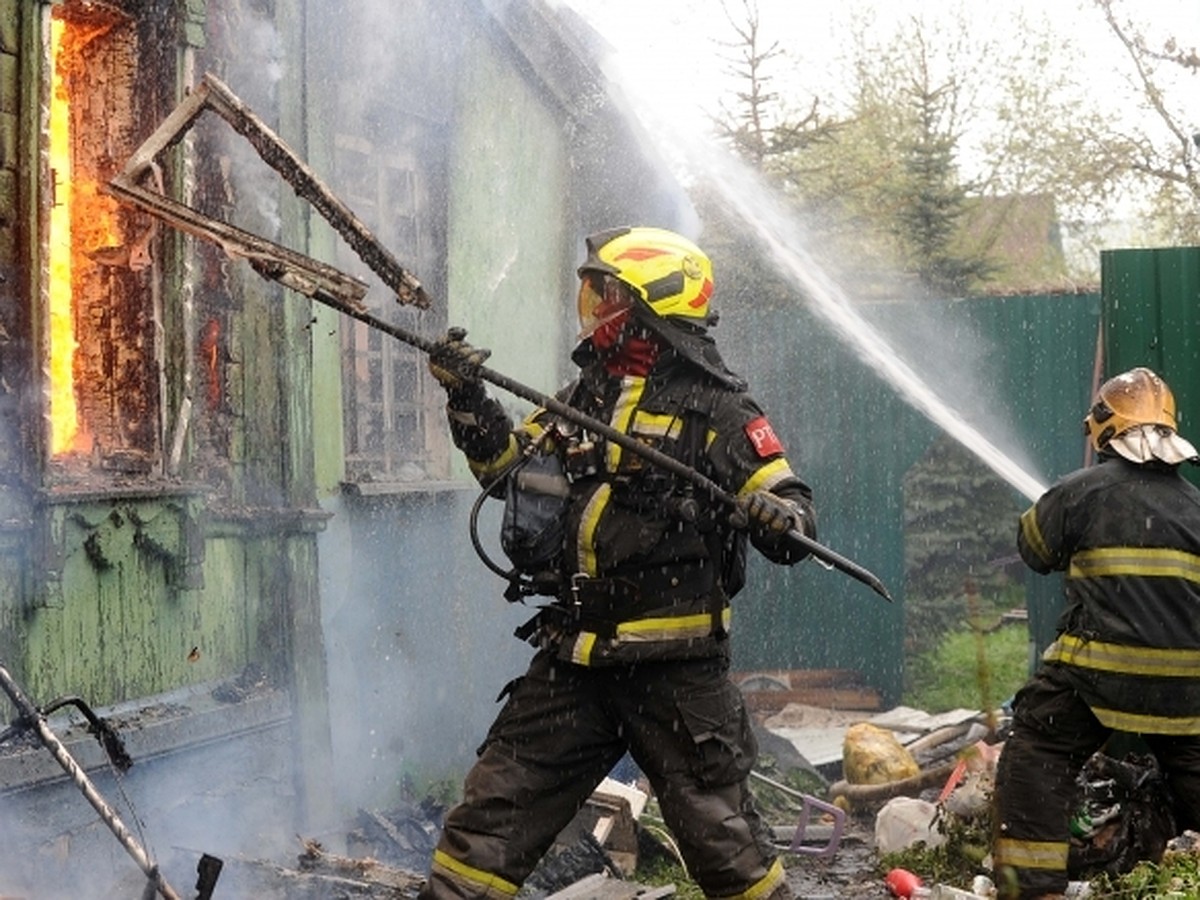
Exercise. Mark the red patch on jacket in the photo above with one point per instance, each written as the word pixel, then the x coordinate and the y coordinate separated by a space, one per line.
pixel 762 436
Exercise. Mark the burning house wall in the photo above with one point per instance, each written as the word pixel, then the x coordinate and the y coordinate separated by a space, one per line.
pixel 166 564
pixel 157 554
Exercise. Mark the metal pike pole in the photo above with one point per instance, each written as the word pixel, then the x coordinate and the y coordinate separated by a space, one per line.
pixel 571 414
pixel 32 717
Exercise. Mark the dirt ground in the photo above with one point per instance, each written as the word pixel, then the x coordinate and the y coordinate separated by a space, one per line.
pixel 850 873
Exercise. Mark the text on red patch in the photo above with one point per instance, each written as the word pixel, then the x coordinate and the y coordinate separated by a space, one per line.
pixel 763 437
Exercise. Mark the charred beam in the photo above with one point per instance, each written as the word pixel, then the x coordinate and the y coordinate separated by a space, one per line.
pixel 301 273
pixel 33 718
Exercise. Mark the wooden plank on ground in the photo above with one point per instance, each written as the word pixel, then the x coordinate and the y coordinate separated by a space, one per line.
pixel 860 698
pixel 603 887
pixel 760 679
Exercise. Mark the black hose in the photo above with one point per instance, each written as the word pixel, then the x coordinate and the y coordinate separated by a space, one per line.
pixel 509 575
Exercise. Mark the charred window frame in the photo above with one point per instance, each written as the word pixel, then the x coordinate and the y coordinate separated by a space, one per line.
pixel 99 273
pixel 392 409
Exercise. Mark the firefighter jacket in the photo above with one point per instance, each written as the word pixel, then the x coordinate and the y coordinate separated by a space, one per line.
pixel 1127 537
pixel 644 564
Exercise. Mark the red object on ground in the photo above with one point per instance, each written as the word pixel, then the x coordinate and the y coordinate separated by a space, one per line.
pixel 902 882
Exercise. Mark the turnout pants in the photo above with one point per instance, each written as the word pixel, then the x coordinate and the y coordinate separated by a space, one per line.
pixel 562 730
pixel 1054 733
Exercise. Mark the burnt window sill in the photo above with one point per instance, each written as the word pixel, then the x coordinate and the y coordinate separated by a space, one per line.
pixel 143 489
pixel 365 490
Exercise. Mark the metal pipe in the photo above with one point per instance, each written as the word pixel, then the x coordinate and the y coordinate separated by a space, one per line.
pixel 32 717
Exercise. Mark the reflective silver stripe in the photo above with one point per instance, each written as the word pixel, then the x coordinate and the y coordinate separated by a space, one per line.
pixel 581 649
pixel 670 628
pixel 1032 854
pixel 492 885
pixel 585 542
pixel 656 424
pixel 1143 724
pixel 632 387
pixel 1123 658
pixel 1033 536
pixel 1149 562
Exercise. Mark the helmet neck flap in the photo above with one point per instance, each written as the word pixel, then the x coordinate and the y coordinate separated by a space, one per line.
pixel 1133 416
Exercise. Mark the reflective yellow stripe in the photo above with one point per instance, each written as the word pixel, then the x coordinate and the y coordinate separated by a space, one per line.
pixel 623 410
pixel 764 886
pixel 1032 854
pixel 668 628
pixel 1123 658
pixel 1033 536
pixel 657 424
pixel 485 469
pixel 532 426
pixel 766 477
pixel 581 650
pixel 585 545
pixel 1146 561
pixel 1143 724
pixel 493 885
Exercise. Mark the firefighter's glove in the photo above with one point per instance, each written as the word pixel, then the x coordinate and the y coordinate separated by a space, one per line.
pixel 764 513
pixel 455 363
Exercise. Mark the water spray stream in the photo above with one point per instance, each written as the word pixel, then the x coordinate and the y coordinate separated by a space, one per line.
pixel 744 194
pixel 826 298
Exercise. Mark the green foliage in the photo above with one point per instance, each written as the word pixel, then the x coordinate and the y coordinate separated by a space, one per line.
pixel 969 670
pixel 957 861
pixel 1178 875
pixel 662 869
pixel 658 873
pixel 930 200
pixel 960 533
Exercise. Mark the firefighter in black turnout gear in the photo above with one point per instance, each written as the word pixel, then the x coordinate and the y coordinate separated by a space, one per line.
pixel 633 647
pixel 1127 654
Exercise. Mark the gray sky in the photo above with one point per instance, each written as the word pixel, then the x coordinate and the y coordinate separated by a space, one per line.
pixel 674 45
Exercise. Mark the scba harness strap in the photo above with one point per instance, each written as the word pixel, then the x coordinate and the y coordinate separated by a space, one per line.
pixel 603 606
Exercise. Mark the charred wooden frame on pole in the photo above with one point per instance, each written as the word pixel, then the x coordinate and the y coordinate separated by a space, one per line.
pixel 291 269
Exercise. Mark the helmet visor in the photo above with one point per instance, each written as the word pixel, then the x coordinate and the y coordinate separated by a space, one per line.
pixel 602 300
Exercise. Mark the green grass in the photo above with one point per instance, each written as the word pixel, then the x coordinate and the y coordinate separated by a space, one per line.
pixel 969 669
pixel 1177 876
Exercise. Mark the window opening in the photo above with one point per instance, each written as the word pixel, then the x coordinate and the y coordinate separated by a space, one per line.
pixel 390 406
pixel 388 380
pixel 99 283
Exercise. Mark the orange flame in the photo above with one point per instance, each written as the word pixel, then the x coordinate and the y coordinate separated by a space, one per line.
pixel 64 419
pixel 83 225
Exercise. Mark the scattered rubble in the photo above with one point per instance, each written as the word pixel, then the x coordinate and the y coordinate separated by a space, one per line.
pixel 896 791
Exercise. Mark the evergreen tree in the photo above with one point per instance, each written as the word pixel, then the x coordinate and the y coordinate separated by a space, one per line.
pixel 930 201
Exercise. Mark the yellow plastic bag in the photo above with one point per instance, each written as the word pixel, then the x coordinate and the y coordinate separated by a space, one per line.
pixel 872 755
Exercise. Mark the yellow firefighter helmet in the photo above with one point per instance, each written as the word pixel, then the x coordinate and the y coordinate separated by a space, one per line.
pixel 666 270
pixel 1133 398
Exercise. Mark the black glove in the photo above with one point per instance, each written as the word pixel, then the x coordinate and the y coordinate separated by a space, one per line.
pixel 766 513
pixel 454 362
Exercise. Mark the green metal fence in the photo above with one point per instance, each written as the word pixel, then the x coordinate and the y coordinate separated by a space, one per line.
pixel 1152 318
pixel 853 436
